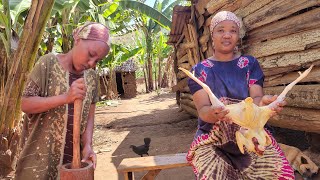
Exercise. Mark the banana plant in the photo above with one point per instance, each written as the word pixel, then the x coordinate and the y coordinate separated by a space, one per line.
pixel 151 20
pixel 22 61
pixel 161 50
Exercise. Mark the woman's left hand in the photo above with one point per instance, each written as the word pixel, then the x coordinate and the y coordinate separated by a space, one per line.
pixel 267 99
pixel 88 155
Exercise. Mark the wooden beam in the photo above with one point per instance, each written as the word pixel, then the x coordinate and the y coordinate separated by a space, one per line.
pixel 288 62
pixel 281 79
pixel 187 45
pixel 276 10
pixel 234 5
pixel 181 75
pixel 186 66
pixel 292 43
pixel 188 102
pixel 305 96
pixel 215 5
pixel 183 59
pixel 200 6
pixel 181 52
pixel 180 85
pixel 301 22
pixel 302 119
pixel 251 7
pixel 186 96
pixel 189 110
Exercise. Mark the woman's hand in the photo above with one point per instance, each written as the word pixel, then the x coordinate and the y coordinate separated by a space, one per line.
pixel 267 99
pixel 219 114
pixel 77 91
pixel 89 156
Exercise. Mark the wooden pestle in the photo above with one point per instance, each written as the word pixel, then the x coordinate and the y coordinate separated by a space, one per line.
pixel 76 161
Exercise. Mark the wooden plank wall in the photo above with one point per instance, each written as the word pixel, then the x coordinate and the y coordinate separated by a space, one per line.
pixel 284 35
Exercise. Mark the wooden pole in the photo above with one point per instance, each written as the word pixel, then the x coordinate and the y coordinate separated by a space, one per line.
pixel 76 162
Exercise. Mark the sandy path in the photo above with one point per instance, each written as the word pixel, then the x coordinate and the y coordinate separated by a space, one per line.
pixel 147 115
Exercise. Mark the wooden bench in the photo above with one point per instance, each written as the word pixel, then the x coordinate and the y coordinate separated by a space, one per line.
pixel 152 164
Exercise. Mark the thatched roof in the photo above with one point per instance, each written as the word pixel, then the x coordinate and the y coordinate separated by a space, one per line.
pixel 128 66
pixel 181 15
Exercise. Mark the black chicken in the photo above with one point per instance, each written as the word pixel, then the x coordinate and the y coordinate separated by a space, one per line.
pixel 143 149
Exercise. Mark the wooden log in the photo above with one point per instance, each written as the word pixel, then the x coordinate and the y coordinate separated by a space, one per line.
pixel 185 90
pixel 203 48
pixel 234 5
pixel 179 41
pixel 187 45
pixel 215 5
pixel 251 7
pixel 181 75
pixel 200 21
pixel 180 85
pixel 181 52
pixel 302 22
pixel 302 119
pixel 186 96
pixel 295 42
pixel 305 96
pixel 209 52
pixel 186 66
pixel 189 110
pixel 203 40
pixel 276 10
pixel 200 6
pixel 288 62
pixel 194 38
pixel 188 102
pixel 313 76
pixel 183 59
pixel 188 39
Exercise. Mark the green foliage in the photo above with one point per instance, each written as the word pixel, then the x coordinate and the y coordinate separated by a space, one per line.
pixel 118 55
pixel 151 12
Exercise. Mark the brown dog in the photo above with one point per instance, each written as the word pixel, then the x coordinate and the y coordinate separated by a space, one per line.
pixel 299 161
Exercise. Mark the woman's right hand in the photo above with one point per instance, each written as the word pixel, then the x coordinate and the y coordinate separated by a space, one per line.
pixel 77 90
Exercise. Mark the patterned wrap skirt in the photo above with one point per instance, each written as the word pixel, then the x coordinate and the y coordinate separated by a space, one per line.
pixel 216 156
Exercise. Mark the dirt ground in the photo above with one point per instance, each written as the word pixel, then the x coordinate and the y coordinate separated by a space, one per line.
pixel 148 115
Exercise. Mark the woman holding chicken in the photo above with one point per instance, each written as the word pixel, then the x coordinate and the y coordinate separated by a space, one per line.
pixel 232 77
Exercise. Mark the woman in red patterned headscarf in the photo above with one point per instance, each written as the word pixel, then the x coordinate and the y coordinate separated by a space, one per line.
pixel 52 87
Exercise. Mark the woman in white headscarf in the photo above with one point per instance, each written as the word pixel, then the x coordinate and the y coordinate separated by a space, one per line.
pixel 232 77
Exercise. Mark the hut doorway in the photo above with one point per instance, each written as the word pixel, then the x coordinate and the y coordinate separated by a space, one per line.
pixel 119 83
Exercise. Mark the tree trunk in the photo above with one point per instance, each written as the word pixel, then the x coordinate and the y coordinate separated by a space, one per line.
pixel 155 77
pixel 149 60
pixel 23 61
pixel 159 72
pixel 145 73
pixel 167 69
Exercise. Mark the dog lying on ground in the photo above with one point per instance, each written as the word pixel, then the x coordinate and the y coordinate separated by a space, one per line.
pixel 299 161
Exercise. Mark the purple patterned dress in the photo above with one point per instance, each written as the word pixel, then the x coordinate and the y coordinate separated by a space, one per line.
pixel 214 153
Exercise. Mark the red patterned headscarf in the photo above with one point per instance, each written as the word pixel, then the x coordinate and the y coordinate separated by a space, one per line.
pixel 92 31
pixel 223 16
